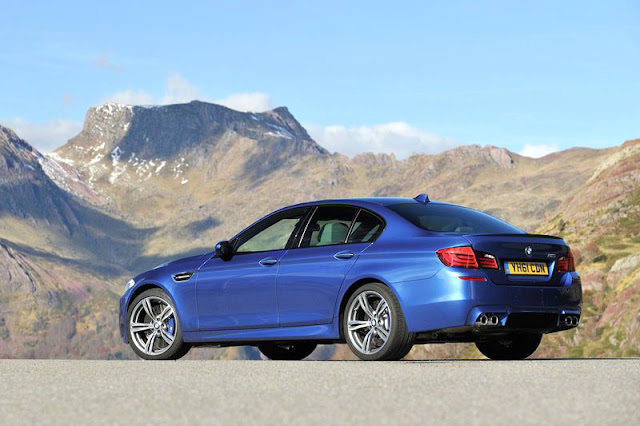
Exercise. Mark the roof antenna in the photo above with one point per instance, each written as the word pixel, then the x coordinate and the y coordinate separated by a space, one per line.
pixel 422 198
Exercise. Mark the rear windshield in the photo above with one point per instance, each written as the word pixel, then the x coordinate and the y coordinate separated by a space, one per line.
pixel 449 218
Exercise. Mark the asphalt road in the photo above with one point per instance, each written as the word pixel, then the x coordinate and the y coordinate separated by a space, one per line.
pixel 308 392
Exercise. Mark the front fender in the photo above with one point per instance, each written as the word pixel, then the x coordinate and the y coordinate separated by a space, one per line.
pixel 181 294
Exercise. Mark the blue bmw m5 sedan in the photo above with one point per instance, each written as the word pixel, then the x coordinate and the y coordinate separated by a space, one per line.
pixel 380 274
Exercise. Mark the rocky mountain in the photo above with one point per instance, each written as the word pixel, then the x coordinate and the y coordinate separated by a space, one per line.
pixel 180 158
pixel 140 185
pixel 28 194
pixel 50 305
pixel 129 144
pixel 601 218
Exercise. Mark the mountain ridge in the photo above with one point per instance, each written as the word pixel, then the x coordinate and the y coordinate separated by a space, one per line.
pixel 178 178
pixel 26 190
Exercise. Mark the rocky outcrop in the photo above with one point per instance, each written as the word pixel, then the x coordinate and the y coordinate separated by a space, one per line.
pixel 491 154
pixel 370 159
pixel 134 143
pixel 14 274
pixel 26 191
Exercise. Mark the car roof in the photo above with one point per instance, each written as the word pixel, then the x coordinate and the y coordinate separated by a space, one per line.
pixel 367 201
pixel 376 204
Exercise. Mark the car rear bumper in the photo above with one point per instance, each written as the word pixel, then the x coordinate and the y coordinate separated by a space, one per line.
pixel 445 301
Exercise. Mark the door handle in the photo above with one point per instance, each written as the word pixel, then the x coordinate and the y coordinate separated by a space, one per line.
pixel 343 255
pixel 269 261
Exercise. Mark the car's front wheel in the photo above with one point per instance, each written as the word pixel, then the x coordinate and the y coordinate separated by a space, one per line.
pixel 516 346
pixel 153 328
pixel 287 351
pixel 374 325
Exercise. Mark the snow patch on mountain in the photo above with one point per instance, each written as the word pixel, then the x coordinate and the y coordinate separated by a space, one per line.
pixel 279 131
pixel 117 168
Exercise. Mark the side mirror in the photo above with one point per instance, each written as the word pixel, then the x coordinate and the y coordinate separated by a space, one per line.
pixel 224 250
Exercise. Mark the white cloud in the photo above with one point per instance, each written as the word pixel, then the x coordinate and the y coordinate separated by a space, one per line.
pixel 537 151
pixel 253 102
pixel 131 97
pixel 398 137
pixel 104 62
pixel 179 91
pixel 44 136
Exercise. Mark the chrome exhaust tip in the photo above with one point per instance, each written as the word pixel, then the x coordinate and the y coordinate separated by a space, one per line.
pixel 568 321
pixel 488 319
pixel 482 319
pixel 575 321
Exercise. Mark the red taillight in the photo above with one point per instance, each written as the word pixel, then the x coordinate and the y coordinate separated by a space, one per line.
pixel 566 264
pixel 487 261
pixel 465 257
pixel 458 257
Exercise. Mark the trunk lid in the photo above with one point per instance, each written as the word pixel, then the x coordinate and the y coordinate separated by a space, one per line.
pixel 544 249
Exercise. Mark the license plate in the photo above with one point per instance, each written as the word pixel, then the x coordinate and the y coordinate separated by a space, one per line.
pixel 526 268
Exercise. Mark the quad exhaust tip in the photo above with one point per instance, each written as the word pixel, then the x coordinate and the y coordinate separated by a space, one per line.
pixel 488 319
pixel 571 320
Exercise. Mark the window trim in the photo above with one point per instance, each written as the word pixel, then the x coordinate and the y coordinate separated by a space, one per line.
pixel 377 216
pixel 353 222
pixel 318 206
pixel 298 240
pixel 290 241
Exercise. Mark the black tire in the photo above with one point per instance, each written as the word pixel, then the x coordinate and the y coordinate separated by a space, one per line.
pixel 514 347
pixel 405 351
pixel 399 341
pixel 293 351
pixel 178 348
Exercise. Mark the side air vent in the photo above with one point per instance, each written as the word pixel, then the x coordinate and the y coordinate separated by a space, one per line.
pixel 182 276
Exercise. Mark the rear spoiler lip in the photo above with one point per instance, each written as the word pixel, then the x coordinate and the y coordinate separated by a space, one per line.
pixel 514 235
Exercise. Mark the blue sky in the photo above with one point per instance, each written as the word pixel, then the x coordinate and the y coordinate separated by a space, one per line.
pixel 383 76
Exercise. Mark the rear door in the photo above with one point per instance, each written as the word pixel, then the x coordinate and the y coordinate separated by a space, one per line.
pixel 310 276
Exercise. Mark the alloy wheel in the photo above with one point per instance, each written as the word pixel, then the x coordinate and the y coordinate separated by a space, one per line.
pixel 152 325
pixel 369 322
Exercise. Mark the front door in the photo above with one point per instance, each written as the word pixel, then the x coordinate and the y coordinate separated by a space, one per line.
pixel 241 292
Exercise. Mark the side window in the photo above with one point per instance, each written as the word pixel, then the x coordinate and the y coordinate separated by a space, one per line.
pixel 366 228
pixel 328 226
pixel 272 233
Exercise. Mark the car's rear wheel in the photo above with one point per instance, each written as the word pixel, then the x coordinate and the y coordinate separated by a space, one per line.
pixel 153 328
pixel 293 351
pixel 374 325
pixel 516 346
